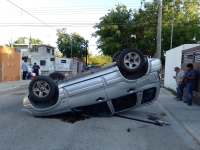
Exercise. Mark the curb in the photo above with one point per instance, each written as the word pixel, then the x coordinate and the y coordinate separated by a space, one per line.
pixel 198 141
pixel 15 88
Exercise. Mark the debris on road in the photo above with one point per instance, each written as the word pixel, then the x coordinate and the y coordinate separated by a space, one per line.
pixel 156 119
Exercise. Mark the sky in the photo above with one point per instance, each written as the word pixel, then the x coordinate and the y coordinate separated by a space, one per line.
pixel 45 16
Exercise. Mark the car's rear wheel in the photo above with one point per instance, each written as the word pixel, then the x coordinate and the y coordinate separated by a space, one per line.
pixel 131 60
pixel 57 76
pixel 42 88
pixel 116 56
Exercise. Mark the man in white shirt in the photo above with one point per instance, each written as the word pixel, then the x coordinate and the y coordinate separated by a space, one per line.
pixel 179 76
pixel 25 69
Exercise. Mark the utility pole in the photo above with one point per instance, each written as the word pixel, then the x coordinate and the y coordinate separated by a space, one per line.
pixel 71 44
pixel 30 48
pixel 86 46
pixel 159 29
pixel 173 2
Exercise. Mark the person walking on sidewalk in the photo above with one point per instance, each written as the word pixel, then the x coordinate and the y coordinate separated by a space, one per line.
pixel 189 80
pixel 25 69
pixel 36 69
pixel 179 76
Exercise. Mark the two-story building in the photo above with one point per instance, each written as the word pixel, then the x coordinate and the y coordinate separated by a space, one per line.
pixel 41 54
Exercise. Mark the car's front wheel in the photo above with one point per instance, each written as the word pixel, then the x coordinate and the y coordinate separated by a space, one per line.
pixel 131 60
pixel 42 88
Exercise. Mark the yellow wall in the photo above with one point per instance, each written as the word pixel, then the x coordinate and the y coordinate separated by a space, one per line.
pixel 9 64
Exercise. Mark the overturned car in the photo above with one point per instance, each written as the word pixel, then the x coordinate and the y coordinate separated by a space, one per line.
pixel 130 81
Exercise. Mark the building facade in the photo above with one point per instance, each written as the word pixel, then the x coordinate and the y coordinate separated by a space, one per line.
pixel 44 56
pixel 173 59
pixel 41 54
pixel 179 57
pixel 9 64
pixel 192 55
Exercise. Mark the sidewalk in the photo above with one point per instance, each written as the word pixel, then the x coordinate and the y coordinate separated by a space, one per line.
pixel 12 85
pixel 187 116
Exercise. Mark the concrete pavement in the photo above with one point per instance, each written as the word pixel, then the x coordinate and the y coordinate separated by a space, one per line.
pixel 187 116
pixel 13 85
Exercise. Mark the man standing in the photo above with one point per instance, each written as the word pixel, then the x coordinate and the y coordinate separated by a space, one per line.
pixel 179 77
pixel 36 69
pixel 190 82
pixel 25 69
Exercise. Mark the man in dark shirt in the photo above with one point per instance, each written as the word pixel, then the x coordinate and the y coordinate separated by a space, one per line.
pixel 36 69
pixel 190 82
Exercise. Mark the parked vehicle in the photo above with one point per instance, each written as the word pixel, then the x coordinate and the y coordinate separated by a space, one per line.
pixel 130 81
pixel 92 67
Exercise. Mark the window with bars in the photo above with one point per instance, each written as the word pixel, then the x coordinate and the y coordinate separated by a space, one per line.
pixel 48 50
pixel 197 56
pixel 34 50
pixel 52 59
pixel 42 62
pixel 63 61
pixel 191 57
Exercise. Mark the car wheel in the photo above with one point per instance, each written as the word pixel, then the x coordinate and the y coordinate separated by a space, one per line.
pixel 116 56
pixel 56 76
pixel 42 88
pixel 131 60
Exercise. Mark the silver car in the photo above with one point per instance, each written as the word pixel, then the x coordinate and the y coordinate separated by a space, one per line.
pixel 130 81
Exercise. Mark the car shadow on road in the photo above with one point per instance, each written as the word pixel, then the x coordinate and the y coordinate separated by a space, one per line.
pixel 67 117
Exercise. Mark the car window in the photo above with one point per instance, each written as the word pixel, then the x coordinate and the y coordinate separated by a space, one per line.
pixel 148 95
pixel 95 110
pixel 124 102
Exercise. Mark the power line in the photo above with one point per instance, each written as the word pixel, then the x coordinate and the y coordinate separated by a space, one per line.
pixel 83 6
pixel 30 14
pixel 89 24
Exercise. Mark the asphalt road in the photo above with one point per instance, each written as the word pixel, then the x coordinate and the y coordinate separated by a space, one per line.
pixel 19 130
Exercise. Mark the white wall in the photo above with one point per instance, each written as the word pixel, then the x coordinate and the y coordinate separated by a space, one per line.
pixel 173 59
pixel 66 66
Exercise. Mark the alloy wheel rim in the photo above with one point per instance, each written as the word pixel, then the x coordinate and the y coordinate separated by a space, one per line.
pixel 41 89
pixel 132 60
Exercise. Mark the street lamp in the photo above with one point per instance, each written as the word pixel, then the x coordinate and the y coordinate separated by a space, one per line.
pixel 86 46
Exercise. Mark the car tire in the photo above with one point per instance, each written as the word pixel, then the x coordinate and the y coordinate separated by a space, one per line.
pixel 57 76
pixel 42 88
pixel 116 57
pixel 131 60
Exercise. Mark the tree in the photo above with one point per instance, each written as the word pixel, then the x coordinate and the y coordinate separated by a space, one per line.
pixel 117 26
pixel 67 42
pixel 9 44
pixel 114 30
pixel 58 54
pixel 99 60
pixel 21 40
pixel 186 23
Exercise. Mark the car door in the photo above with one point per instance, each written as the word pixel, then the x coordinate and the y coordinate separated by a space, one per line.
pixel 86 92
pixel 88 97
pixel 121 92
pixel 116 85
